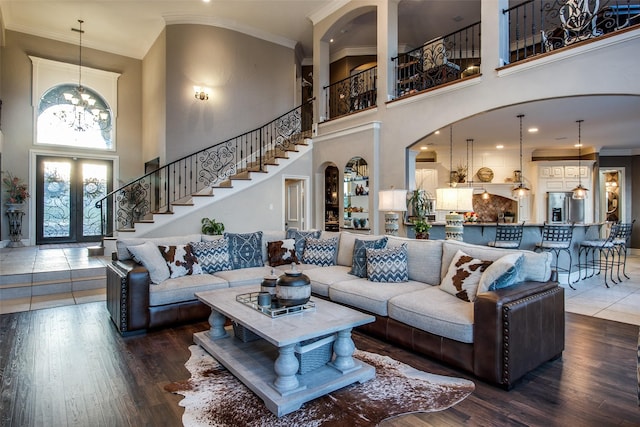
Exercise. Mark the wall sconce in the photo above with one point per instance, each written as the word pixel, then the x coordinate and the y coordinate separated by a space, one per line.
pixel 202 93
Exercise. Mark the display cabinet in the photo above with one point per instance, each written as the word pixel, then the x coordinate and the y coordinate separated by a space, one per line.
pixel 331 205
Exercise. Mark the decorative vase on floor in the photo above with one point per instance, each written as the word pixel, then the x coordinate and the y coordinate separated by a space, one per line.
pixel 15 212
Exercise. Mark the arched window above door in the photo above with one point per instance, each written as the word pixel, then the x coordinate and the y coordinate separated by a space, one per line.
pixel 67 113
pixel 74 116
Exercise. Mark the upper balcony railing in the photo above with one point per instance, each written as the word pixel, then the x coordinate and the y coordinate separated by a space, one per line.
pixel 356 92
pixel 176 182
pixel 439 61
pixel 537 27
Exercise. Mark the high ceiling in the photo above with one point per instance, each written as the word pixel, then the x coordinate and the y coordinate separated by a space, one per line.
pixel 129 27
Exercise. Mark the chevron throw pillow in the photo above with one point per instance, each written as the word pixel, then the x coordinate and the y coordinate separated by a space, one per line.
pixel 212 255
pixel 388 264
pixel 359 267
pixel 322 252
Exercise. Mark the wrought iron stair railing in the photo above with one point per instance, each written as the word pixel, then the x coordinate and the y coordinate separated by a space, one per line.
pixel 199 173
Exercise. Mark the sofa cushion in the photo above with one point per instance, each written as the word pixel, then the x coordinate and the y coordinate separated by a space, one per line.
pixel 501 274
pixel 463 276
pixel 183 288
pixel 424 258
pixel 244 276
pixel 435 311
pixel 535 266
pixel 359 267
pixel 300 237
pixel 213 255
pixel 122 245
pixel 347 244
pixel 370 296
pixel 388 264
pixel 245 249
pixel 282 252
pixel 323 277
pixel 322 252
pixel 181 260
pixel 150 257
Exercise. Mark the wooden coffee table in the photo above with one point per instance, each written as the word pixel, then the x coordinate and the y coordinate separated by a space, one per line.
pixel 268 366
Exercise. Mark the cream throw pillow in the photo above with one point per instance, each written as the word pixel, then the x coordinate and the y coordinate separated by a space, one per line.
pixel 149 255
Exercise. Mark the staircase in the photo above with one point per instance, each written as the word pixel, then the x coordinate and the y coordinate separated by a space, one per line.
pixel 208 176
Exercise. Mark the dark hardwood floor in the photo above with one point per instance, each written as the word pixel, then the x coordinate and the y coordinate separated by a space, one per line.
pixel 69 366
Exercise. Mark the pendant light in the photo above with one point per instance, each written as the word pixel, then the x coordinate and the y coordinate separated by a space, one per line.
pixel 520 190
pixel 579 193
pixel 78 108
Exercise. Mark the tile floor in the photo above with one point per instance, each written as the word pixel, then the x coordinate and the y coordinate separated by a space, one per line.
pixel 37 277
pixel 33 278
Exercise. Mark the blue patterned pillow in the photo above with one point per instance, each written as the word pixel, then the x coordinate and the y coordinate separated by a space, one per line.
pixel 300 238
pixel 245 250
pixel 212 255
pixel 359 267
pixel 388 264
pixel 320 252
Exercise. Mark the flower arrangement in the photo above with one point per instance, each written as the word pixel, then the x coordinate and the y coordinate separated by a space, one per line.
pixel 17 190
pixel 470 217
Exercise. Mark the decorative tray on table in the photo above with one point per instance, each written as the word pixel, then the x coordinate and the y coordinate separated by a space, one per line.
pixel 251 300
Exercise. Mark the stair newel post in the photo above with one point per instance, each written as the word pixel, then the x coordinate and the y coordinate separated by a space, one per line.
pixel 260 152
pixel 168 191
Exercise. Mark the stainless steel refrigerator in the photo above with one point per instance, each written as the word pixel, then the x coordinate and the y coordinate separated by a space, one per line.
pixel 562 208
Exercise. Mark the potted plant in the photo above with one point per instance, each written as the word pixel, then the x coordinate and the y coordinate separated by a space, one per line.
pixel 211 227
pixel 421 228
pixel 17 191
pixel 419 201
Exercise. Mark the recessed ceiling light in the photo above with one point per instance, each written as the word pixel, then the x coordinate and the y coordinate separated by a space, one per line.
pixel 533 130
pixel 424 147
pixel 206 1
pixel 437 132
pixel 499 146
pixel 577 145
pixel 331 41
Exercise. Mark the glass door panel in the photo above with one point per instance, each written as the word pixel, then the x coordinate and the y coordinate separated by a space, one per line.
pixel 67 191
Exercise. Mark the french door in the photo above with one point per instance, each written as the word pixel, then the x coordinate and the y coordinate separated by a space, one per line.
pixel 67 189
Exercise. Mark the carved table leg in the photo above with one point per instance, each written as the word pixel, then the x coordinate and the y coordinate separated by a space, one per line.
pixel 286 366
pixel 217 321
pixel 344 348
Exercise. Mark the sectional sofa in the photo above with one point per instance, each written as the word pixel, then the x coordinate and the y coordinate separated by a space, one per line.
pixel 496 313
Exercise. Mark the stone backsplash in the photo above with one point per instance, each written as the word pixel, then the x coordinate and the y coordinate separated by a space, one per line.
pixel 491 209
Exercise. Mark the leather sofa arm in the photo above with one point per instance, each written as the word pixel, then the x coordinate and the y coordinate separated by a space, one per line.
pixel 128 295
pixel 516 329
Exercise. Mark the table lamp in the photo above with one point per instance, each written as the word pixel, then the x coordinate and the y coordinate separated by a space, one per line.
pixel 454 200
pixel 392 201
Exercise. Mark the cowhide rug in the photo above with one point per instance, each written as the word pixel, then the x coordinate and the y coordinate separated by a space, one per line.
pixel 214 397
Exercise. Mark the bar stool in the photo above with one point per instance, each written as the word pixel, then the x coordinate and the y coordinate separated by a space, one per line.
pixel 621 242
pixel 508 236
pixel 557 239
pixel 605 249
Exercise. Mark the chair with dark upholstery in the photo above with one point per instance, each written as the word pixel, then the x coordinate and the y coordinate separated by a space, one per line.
pixel 556 238
pixel 508 236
